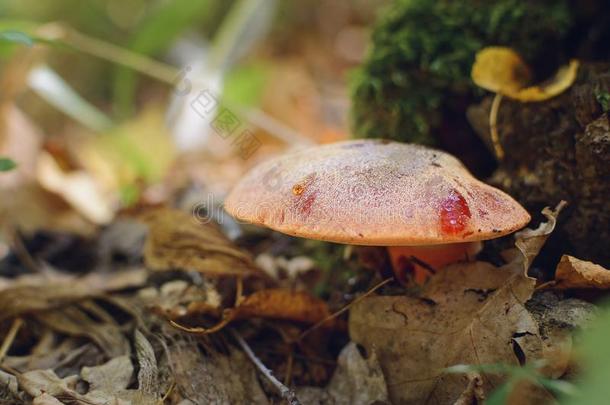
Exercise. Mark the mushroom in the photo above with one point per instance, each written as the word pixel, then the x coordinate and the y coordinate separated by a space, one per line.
pixel 421 203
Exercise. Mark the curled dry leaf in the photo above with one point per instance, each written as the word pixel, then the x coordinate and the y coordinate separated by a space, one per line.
pixel 576 273
pixel 530 241
pixel 176 240
pixel 468 313
pixel 501 70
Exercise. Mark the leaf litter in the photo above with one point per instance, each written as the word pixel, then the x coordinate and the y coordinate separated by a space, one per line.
pixel 104 337
pixel 468 313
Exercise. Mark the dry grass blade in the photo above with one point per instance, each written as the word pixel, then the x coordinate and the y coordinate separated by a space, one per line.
pixel 10 337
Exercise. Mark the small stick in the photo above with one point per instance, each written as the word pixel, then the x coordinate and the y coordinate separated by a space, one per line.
pixel 10 337
pixel 345 308
pixel 288 394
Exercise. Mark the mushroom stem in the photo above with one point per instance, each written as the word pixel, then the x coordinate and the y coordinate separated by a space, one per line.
pixel 421 261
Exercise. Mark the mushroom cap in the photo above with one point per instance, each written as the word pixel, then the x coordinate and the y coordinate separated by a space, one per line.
pixel 374 192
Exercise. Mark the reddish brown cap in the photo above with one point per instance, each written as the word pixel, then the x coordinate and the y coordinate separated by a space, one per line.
pixel 371 192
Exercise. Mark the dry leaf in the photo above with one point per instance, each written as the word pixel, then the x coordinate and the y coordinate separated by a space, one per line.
pixel 283 304
pixel 30 294
pixel 501 70
pixel 176 240
pixel 356 381
pixel 46 399
pixel 148 373
pixel 77 187
pixel 113 375
pixel 576 273
pixel 39 382
pixel 74 321
pixel 109 382
pixel 530 241
pixel 468 313
pixel 472 314
pixel 214 377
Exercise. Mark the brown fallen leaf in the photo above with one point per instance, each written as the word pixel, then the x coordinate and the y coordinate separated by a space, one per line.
pixel 176 240
pixel 281 304
pixel 575 273
pixel 468 313
pixel 276 303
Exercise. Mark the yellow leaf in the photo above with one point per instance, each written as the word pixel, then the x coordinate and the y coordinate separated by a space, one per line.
pixel 500 70
pixel 503 71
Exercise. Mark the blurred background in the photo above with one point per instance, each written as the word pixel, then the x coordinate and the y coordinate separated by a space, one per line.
pixel 98 117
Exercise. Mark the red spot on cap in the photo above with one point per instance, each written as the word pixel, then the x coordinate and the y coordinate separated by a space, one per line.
pixel 454 213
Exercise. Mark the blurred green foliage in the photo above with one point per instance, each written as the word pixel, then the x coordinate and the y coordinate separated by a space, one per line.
pixel 7 164
pixel 594 353
pixel 422 52
pixel 157 30
pixel 244 84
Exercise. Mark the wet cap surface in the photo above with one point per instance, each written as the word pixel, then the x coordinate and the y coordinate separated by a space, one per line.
pixel 372 192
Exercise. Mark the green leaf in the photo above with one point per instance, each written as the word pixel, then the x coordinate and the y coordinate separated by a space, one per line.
pixel 16 37
pixel 7 164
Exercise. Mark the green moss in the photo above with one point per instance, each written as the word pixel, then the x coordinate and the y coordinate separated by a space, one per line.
pixel 603 98
pixel 422 52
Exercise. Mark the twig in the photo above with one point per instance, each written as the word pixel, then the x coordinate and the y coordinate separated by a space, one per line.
pixel 288 394
pixel 345 308
pixel 10 337
pixel 493 126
